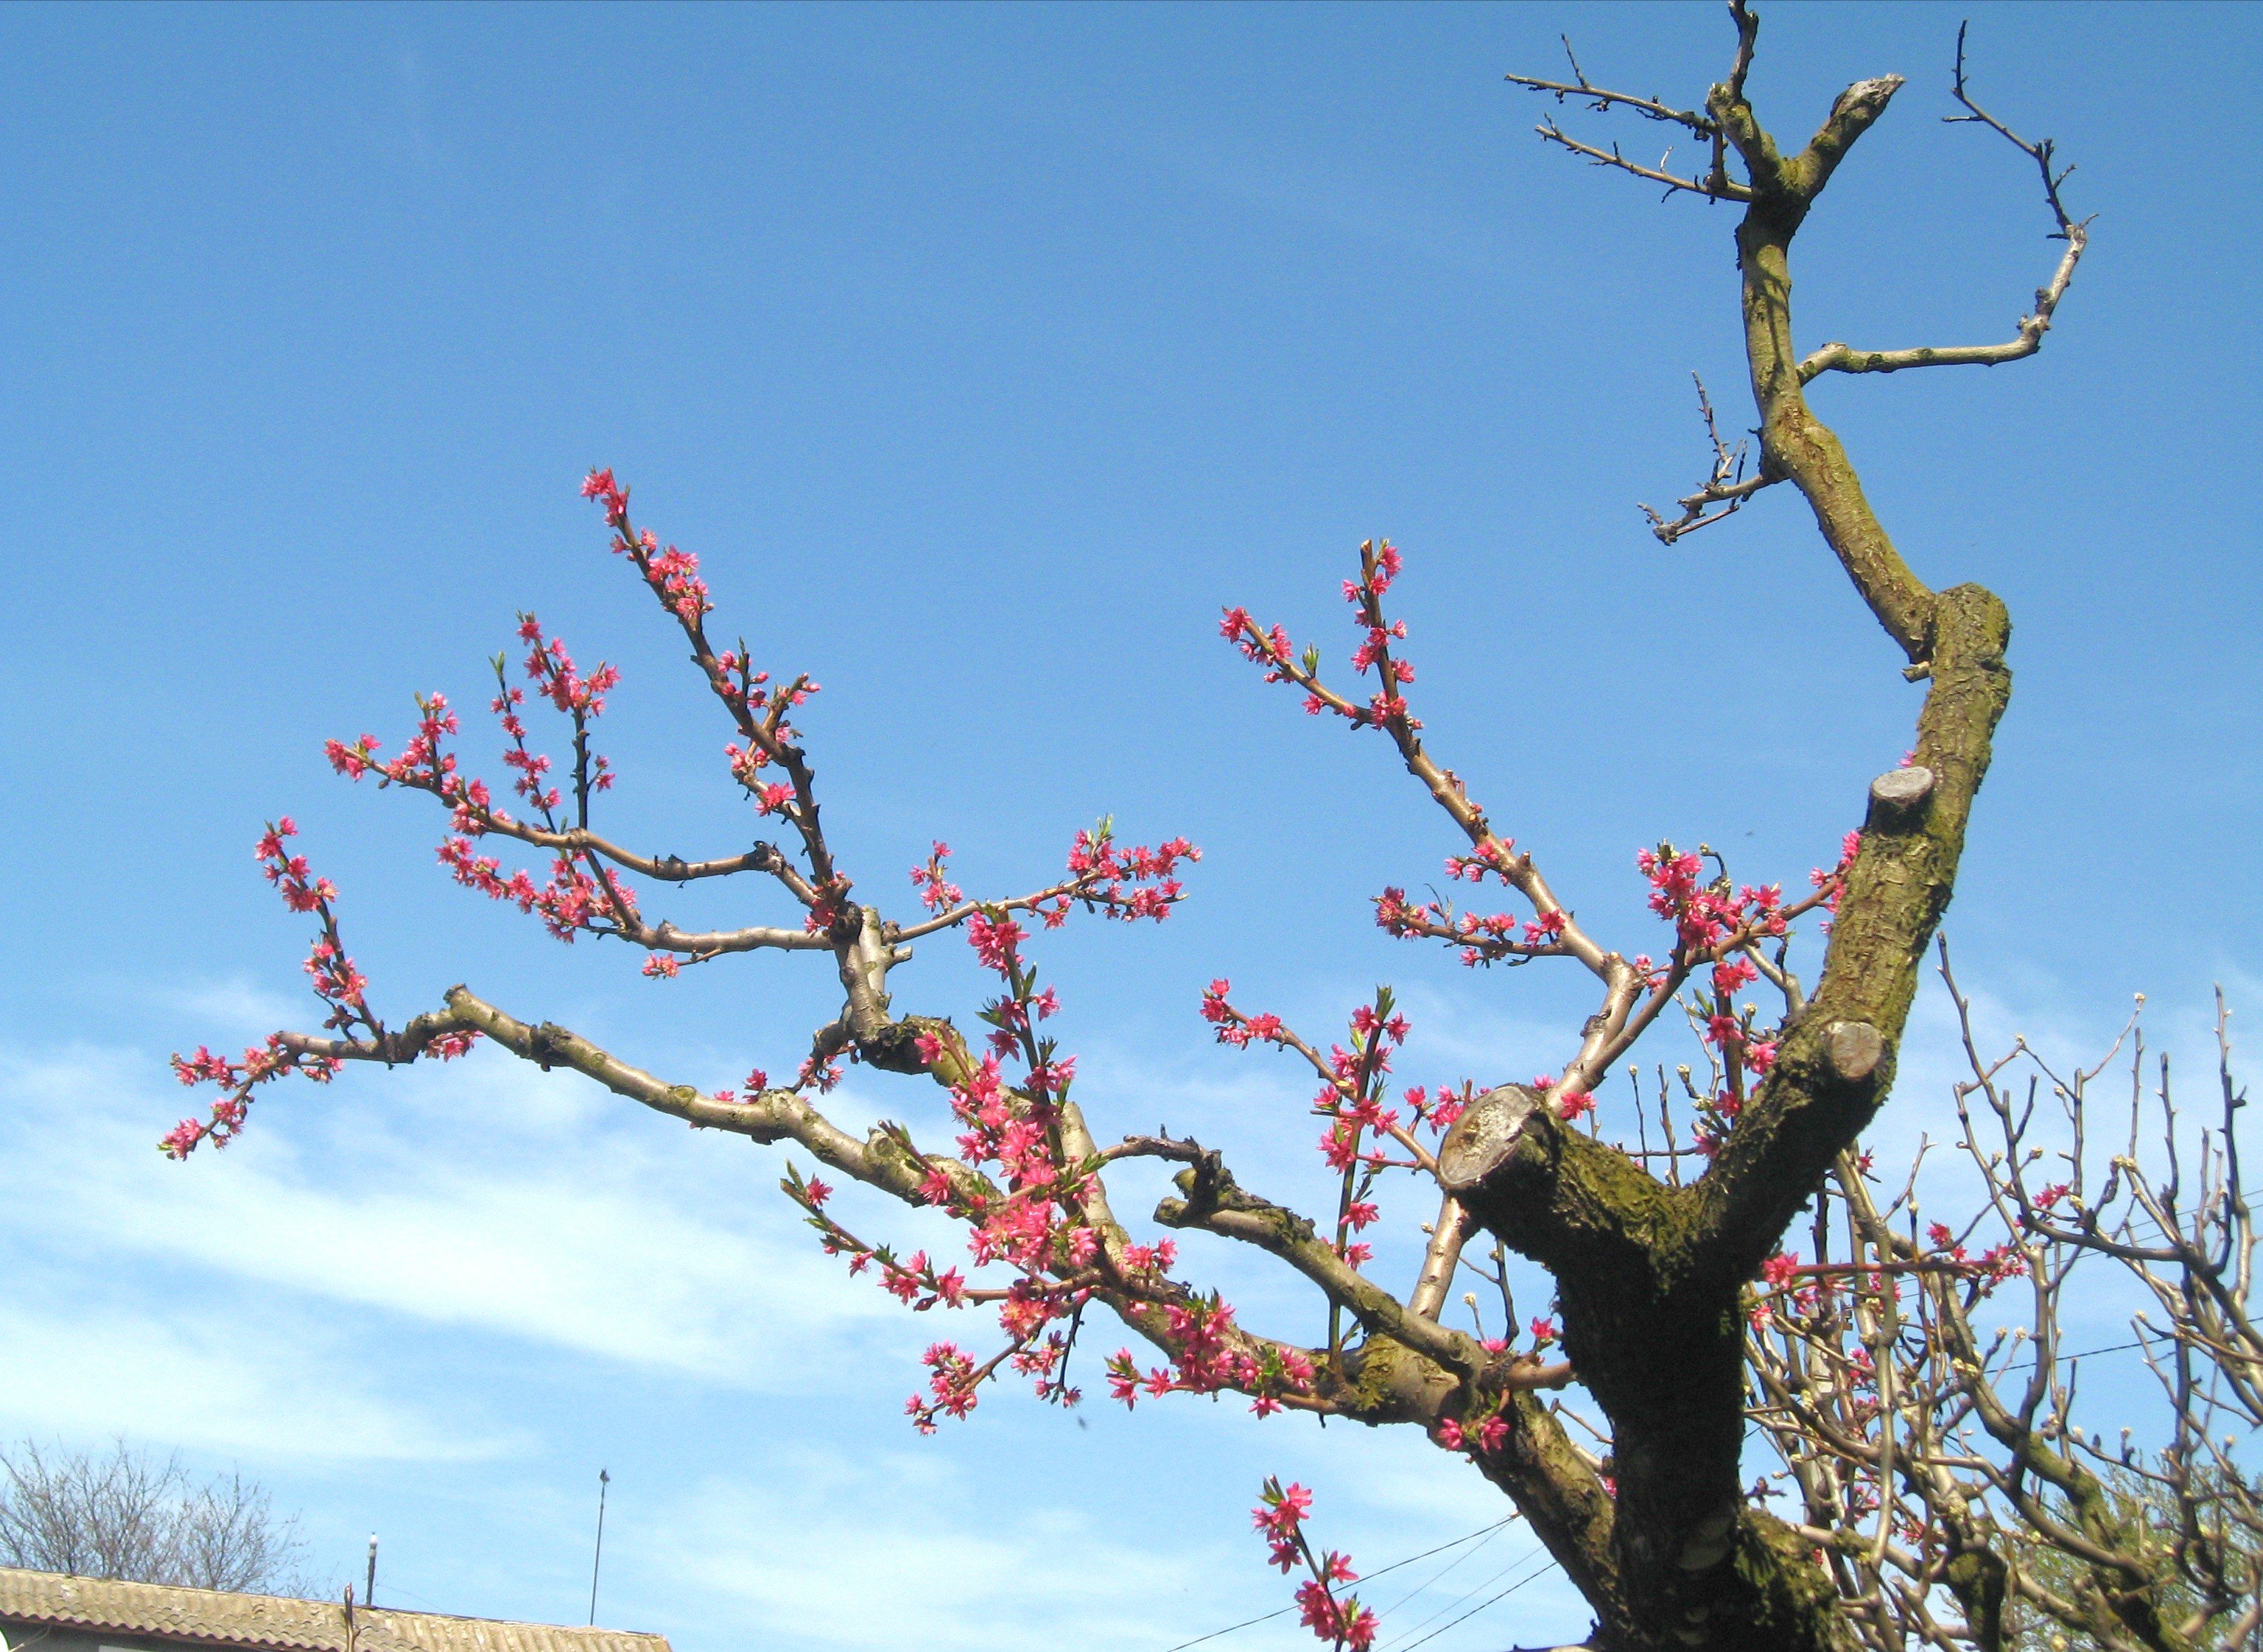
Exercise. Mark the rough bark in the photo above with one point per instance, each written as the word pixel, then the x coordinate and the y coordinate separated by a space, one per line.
pixel 1651 1276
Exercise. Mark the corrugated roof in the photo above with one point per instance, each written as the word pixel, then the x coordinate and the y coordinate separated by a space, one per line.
pixel 272 1622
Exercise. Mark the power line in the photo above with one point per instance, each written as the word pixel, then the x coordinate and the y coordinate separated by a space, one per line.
pixel 1483 1531
pixel 1488 1532
pixel 1467 1594
pixel 2022 1365
pixel 1546 1565
pixel 1244 1624
pixel 1476 1588
pixel 1441 1572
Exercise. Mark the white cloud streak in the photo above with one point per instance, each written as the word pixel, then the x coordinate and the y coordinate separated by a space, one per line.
pixel 485 1199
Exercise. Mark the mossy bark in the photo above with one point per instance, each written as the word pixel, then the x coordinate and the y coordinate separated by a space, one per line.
pixel 1651 1277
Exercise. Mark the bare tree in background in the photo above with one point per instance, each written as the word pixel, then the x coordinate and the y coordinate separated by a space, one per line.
pixel 124 1515
pixel 1916 1380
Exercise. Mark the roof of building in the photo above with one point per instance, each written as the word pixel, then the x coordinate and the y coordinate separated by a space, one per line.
pixel 274 1622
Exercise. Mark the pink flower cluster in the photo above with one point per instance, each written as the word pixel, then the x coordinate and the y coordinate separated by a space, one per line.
pixel 1832 884
pixel 579 895
pixel 1351 1100
pixel 1439 1109
pixel 1483 938
pixel 1717 924
pixel 1709 922
pixel 742 689
pixel 673 575
pixel 423 764
pixel 1386 708
pixel 1992 1268
pixel 1102 871
pixel 1280 1518
pixel 337 982
pixel 553 671
pixel 1495 857
pixel 235 1080
pixel 1574 1104
pixel 1483 1437
pixel 582 699
pixel 1379 566
pixel 758 1081
pixel 936 891
pixel 1210 1355
pixel 1268 648
pixel 532 766
pixel 572 902
pixel 1234 1028
pixel 1018 1194
pixel 1353 1103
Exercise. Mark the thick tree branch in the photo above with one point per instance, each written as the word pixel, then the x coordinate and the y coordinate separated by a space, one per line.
pixel 1213 1201
pixel 1642 1267
pixel 770 1115
pixel 394 1049
pixel 1836 1063
pixel 1562 1198
pixel 1793 441
pixel 579 840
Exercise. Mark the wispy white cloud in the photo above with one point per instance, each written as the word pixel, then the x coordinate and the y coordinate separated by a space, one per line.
pixel 1481 1035
pixel 844 1555
pixel 239 1379
pixel 486 1198
pixel 488 1207
pixel 248 1013
pixel 887 1549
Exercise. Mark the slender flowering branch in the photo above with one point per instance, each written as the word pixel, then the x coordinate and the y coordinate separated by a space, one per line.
pixel 1342 1624
pixel 337 983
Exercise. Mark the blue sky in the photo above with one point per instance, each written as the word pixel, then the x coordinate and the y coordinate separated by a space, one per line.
pixel 983 355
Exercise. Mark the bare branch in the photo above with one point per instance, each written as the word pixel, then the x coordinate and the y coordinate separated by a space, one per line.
pixel 124 1515
pixel 1710 188
pixel 1603 100
pixel 1212 1200
pixel 1836 357
pixel 1714 185
pixel 1727 488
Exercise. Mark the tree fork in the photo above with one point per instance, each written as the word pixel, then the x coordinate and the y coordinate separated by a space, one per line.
pixel 1653 1325
pixel 1650 1277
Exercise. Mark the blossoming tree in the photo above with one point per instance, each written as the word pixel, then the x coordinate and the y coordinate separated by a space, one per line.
pixel 1676 1288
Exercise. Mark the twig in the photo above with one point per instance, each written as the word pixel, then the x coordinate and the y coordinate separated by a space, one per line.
pixel 1728 487
pixel 1837 358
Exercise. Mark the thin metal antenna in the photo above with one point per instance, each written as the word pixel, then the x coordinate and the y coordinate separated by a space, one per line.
pixel 369 1590
pixel 605 1479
